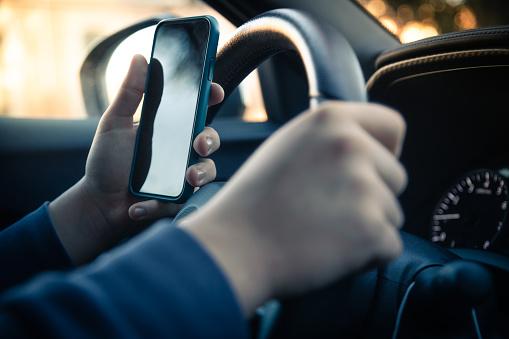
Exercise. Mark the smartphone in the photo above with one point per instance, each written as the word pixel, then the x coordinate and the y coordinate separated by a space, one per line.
pixel 175 107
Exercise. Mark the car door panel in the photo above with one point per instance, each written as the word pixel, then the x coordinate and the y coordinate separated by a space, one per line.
pixel 41 158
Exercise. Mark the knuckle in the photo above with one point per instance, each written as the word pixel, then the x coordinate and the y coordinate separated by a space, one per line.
pixel 342 145
pixel 322 113
pixel 346 139
pixel 331 111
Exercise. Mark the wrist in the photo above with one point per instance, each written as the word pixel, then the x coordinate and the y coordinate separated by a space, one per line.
pixel 241 258
pixel 76 220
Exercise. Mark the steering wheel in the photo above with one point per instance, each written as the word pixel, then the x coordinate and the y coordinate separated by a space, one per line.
pixel 365 306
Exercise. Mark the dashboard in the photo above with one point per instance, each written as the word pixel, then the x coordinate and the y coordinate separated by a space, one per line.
pixel 456 155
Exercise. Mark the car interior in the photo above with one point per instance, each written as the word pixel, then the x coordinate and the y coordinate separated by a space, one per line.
pixel 451 280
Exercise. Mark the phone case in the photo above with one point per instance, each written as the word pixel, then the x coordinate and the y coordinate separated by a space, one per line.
pixel 201 108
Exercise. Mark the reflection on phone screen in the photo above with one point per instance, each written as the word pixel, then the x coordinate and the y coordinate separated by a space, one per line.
pixel 167 122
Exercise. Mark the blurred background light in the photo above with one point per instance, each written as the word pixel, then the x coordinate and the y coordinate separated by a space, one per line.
pixel 412 20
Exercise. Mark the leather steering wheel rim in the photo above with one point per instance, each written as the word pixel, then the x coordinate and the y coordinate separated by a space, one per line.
pixel 332 68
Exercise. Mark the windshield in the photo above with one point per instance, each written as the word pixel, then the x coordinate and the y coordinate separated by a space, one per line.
pixel 412 20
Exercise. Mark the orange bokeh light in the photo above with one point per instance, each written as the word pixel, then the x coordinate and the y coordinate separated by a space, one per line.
pixel 415 30
pixel 465 18
pixel 410 24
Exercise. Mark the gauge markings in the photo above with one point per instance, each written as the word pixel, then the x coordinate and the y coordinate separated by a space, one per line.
pixel 446 216
pixel 483 191
pixel 472 212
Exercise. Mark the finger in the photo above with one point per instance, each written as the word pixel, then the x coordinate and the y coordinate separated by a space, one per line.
pixel 390 206
pixel 380 201
pixel 131 91
pixel 390 245
pixel 207 142
pixel 384 124
pixel 216 94
pixel 153 209
pixel 385 245
pixel 389 168
pixel 201 173
pixel 384 219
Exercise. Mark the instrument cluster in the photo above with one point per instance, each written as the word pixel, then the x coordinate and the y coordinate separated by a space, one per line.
pixel 472 213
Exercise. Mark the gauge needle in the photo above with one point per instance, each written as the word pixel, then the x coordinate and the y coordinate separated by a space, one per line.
pixel 446 216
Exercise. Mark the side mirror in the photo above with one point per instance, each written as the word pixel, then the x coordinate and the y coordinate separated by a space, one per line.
pixel 94 70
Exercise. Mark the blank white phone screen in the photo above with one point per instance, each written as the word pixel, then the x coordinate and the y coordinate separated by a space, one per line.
pixel 167 122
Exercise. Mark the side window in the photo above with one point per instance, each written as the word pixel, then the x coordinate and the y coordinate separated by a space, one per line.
pixel 43 44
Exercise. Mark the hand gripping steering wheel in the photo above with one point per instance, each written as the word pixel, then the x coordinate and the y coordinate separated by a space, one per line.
pixel 365 306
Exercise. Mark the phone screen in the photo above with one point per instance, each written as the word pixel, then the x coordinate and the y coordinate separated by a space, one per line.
pixel 165 136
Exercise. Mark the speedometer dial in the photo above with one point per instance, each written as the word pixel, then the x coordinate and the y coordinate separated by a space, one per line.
pixel 472 212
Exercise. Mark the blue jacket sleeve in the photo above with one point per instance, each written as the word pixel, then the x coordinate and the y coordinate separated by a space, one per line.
pixel 29 247
pixel 160 284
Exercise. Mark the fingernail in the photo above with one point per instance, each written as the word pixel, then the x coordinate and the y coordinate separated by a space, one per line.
pixel 201 175
pixel 140 212
pixel 209 142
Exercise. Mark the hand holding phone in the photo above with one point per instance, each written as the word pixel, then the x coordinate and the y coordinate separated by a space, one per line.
pixel 175 107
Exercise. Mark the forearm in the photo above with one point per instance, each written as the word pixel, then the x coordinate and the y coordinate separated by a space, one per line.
pixel 162 283
pixel 29 247
pixel 243 259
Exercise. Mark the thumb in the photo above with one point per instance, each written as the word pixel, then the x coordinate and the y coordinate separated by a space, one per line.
pixel 153 209
pixel 131 91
